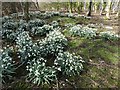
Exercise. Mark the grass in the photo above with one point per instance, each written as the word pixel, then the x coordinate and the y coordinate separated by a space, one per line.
pixel 66 20
pixel 93 49
pixel 103 58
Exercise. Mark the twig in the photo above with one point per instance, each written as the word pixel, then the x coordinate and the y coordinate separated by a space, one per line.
pixel 66 80
pixel 20 65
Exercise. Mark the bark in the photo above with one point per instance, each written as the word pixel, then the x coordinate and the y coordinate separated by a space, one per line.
pixel 85 5
pixel 22 7
pixel 90 8
pixel 26 9
pixel 95 6
pixel 13 7
pixel 118 13
pixel 70 6
pixel 108 9
pixel 37 4
pixel 101 7
pixel 78 7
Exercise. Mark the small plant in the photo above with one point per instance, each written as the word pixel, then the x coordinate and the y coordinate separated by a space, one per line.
pixel 69 25
pixel 7 66
pixel 24 45
pixel 75 30
pixel 56 13
pixel 35 23
pixel 48 15
pixel 68 64
pixel 39 73
pixel 56 37
pixel 64 14
pixel 23 26
pixel 23 39
pixel 71 15
pixel 41 30
pixel 88 32
pixel 10 25
pixel 8 35
pixel 108 36
pixel 55 24
pixel 54 42
pixel 85 32
pixel 6 18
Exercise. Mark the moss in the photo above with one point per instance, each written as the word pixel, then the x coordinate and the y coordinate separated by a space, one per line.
pixel 108 56
pixel 82 20
pixel 62 20
pixel 102 75
pixel 66 33
pixel 75 43
pixel 20 85
pixel 99 76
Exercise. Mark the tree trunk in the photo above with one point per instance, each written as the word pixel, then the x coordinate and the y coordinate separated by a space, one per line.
pixel 22 6
pixel 26 11
pixel 108 9
pixel 37 5
pixel 84 5
pixel 78 7
pixel 95 6
pixel 101 7
pixel 13 7
pixel 70 6
pixel 90 8
pixel 118 13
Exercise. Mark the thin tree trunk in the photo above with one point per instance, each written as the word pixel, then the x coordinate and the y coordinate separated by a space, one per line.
pixel 78 7
pixel 37 5
pixel 26 11
pixel 90 8
pixel 22 7
pixel 95 6
pixel 85 5
pixel 70 6
pixel 13 7
pixel 101 7
pixel 118 13
pixel 108 9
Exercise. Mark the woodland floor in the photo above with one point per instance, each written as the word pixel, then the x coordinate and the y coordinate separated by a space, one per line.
pixel 101 57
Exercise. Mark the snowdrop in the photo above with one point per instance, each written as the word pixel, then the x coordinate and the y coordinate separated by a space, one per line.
pixel 7 63
pixel 109 35
pixel 42 74
pixel 85 32
pixel 53 42
pixel 68 64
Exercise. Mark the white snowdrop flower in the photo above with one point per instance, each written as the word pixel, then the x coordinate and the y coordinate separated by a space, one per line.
pixel 30 69
pixel 59 69
pixel 37 73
